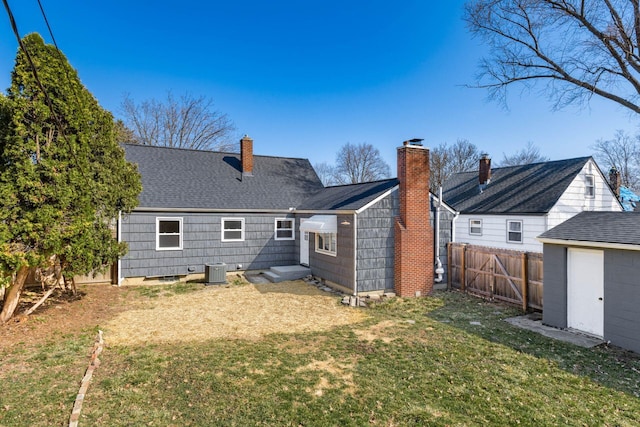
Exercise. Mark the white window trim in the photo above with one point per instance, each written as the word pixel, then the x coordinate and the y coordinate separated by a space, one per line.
pixel 293 229
pixel 521 241
pixel 158 219
pixel 222 229
pixel 470 227
pixel 587 186
pixel 324 251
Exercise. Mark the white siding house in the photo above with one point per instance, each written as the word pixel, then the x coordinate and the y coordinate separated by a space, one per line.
pixel 509 207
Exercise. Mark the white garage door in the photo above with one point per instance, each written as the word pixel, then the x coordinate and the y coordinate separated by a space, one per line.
pixel 585 291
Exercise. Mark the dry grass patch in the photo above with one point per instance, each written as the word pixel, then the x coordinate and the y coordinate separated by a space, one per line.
pixel 338 372
pixel 247 312
pixel 380 331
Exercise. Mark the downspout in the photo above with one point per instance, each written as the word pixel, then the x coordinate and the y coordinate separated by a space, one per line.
pixel 355 254
pixel 119 240
pixel 453 227
pixel 439 270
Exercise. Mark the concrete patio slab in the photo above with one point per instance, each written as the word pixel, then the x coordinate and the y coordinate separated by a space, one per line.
pixel 533 322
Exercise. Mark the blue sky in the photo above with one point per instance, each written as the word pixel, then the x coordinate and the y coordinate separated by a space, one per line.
pixel 305 77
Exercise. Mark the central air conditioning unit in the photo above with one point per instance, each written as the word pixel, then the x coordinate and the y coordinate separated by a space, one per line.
pixel 215 273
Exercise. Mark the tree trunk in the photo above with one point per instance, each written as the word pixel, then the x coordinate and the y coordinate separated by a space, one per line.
pixel 12 296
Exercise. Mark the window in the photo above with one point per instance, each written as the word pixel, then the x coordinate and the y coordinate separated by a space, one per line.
pixel 232 229
pixel 168 234
pixel 326 243
pixel 284 229
pixel 590 186
pixel 514 231
pixel 475 227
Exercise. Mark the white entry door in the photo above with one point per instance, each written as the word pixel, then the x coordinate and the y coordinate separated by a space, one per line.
pixel 304 246
pixel 585 291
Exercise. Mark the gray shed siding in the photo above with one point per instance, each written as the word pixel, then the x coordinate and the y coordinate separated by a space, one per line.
pixel 337 269
pixel 375 257
pixel 622 298
pixel 621 293
pixel 555 285
pixel 202 245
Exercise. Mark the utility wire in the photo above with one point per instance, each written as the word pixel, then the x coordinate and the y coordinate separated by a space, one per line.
pixel 62 59
pixel 48 100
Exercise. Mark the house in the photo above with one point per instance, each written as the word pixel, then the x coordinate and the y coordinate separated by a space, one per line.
pixel 592 276
pixel 252 212
pixel 509 207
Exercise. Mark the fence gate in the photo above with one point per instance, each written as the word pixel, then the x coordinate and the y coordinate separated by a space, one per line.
pixel 511 276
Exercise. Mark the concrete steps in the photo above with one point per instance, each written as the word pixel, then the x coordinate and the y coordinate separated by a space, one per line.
pixel 286 272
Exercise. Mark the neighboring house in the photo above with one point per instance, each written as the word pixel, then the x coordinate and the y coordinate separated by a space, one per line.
pixel 591 276
pixel 257 212
pixel 629 199
pixel 509 207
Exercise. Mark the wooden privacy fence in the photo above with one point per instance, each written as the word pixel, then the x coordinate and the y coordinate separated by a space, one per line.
pixel 511 276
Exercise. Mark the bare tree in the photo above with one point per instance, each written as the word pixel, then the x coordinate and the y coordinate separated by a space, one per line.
pixel 360 163
pixel 439 166
pixel 446 160
pixel 623 152
pixel 576 48
pixel 185 122
pixel 326 173
pixel 464 156
pixel 529 154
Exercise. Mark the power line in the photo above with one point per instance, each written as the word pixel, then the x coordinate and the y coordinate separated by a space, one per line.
pixel 48 100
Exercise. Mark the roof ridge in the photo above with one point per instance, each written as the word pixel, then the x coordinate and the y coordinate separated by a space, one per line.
pixel 361 183
pixel 208 151
pixel 584 158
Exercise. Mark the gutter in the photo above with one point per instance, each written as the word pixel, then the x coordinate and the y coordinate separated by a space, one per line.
pixel 248 211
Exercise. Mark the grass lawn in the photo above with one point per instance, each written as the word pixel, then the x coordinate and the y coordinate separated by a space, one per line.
pixel 445 360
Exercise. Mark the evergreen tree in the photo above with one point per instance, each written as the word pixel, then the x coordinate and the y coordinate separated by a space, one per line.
pixel 63 177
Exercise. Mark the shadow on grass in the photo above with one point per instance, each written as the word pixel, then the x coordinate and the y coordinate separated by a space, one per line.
pixel 609 366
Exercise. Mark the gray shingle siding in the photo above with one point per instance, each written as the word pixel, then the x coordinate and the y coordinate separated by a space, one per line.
pixel 337 269
pixel 202 245
pixel 375 257
pixel 622 298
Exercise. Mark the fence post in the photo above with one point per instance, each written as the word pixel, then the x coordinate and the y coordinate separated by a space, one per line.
pixel 463 269
pixel 525 282
pixel 492 275
pixel 449 269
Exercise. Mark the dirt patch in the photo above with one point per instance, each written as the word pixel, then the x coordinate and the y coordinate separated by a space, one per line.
pixel 61 314
pixel 249 312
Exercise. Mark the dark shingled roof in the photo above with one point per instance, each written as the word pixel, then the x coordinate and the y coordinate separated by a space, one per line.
pixel 526 189
pixel 348 197
pixel 602 227
pixel 180 178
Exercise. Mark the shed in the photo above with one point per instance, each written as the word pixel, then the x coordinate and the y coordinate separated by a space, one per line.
pixel 592 276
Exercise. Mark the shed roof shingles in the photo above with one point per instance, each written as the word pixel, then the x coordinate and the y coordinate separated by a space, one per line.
pixel 525 189
pixel 601 227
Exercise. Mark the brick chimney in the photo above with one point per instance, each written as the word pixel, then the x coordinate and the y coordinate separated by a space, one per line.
pixel 246 155
pixel 414 259
pixel 484 175
pixel 614 181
